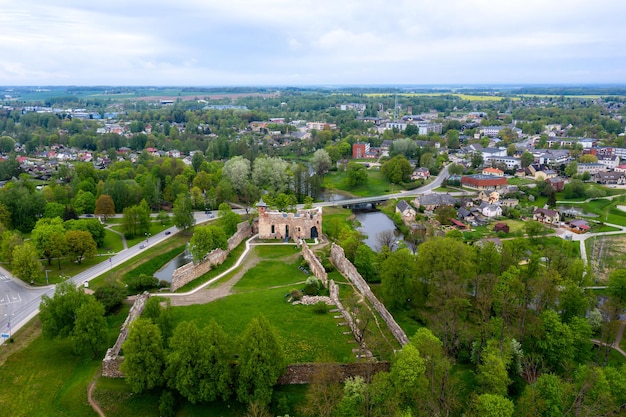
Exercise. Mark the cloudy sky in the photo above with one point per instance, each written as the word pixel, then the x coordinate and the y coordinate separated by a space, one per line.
pixel 311 42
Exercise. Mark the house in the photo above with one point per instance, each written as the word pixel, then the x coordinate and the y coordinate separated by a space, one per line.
pixel 490 197
pixel 465 215
pixel 578 226
pixel 406 211
pixel 492 210
pixel 362 150
pixel 420 173
pixel 591 168
pixel 557 183
pixel 545 174
pixel 501 227
pixel 482 182
pixel 493 171
pixel 510 202
pixel 620 168
pixel 431 201
pixel 546 216
pixel 459 225
pixel 612 177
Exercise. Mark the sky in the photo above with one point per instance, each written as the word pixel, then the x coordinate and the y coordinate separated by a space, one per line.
pixel 311 42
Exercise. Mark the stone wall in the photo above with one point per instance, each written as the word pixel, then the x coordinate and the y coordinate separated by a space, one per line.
pixel 302 373
pixel 192 270
pixel 314 264
pixel 344 266
pixel 112 360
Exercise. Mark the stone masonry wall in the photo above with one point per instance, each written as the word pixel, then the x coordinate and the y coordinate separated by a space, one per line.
pixel 346 268
pixel 112 360
pixel 315 264
pixel 191 271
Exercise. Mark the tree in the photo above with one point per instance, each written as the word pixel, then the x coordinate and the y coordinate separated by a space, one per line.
pixel 321 162
pixel 452 136
pixel 491 405
pixel 588 159
pixel 80 245
pixel 90 328
pixel 183 212
pixel 85 202
pixel 397 169
pixel 398 277
pixel 26 265
pixel 110 295
pixel 10 240
pixel 510 150
pixel 617 284
pixel 364 262
pixel 104 206
pixel 534 228
pixel 205 239
pixel 492 374
pixel 527 159
pixel 477 159
pixel 93 226
pixel 324 391
pixel 143 356
pixel 59 313
pixel 196 160
pixel 198 364
pixel 357 174
pixel 571 169
pixel 555 341
pixel 136 221
pixel 49 238
pixel 228 219
pixel 407 373
pixel 237 171
pixel 261 362
pixel 444 214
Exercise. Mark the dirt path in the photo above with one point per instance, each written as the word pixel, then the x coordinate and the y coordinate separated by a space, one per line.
pixel 94 404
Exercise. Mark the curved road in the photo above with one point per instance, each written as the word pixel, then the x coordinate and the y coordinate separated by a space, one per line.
pixel 19 302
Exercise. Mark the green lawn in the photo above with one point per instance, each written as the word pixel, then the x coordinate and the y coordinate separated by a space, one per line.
pixel 112 242
pixel 376 184
pixel 305 335
pixel 155 227
pixel 46 379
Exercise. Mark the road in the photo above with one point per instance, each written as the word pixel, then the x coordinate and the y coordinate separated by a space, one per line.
pixel 19 302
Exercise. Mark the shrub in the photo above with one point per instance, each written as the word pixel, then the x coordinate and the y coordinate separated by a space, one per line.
pixel 141 282
pixel 110 295
pixel 312 286
pixel 296 295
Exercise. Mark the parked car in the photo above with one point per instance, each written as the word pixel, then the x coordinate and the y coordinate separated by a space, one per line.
pixel 168 233
pixel 142 246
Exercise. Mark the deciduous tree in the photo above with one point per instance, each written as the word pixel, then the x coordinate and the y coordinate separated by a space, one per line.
pixel 144 358
pixel 90 328
pixel 261 362
pixel 104 206
pixel 26 265
pixel 80 245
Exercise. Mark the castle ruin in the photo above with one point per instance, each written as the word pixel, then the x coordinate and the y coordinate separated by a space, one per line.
pixel 304 224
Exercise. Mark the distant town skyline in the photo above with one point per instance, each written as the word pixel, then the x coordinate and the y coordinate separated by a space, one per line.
pixel 322 42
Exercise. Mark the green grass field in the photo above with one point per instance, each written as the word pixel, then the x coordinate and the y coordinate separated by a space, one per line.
pixel 47 379
pixel 264 290
pixel 376 184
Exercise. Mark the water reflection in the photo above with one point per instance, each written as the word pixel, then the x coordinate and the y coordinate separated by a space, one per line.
pixel 374 222
pixel 165 273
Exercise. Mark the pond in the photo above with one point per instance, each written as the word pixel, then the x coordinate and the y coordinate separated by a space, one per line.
pixel 374 222
pixel 165 273
pixel 575 211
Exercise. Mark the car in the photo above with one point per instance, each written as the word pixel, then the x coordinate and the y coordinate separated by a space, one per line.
pixel 88 215
pixel 142 246
pixel 168 233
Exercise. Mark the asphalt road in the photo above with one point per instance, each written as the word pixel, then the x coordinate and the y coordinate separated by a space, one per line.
pixel 19 302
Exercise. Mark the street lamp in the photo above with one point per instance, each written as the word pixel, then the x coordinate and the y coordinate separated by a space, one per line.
pixel 47 270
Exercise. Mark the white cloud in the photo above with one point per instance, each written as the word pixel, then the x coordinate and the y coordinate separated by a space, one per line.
pixel 310 42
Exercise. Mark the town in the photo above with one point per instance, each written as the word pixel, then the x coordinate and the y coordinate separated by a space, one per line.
pixel 313 251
